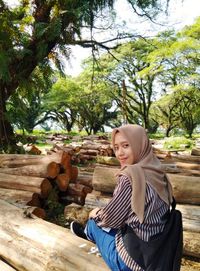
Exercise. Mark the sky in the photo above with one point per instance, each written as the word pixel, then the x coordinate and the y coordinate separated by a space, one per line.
pixel 181 13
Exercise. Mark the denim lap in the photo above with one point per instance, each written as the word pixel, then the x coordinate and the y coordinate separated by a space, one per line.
pixel 105 242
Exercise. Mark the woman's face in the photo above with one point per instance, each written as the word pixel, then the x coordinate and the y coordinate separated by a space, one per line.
pixel 123 150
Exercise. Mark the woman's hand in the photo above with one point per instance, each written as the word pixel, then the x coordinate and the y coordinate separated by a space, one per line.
pixel 93 213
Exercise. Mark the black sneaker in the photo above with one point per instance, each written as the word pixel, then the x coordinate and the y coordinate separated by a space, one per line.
pixel 78 229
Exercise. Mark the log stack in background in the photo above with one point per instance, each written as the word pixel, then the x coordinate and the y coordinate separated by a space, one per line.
pixel 27 180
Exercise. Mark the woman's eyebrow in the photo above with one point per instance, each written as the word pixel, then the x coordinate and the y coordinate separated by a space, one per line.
pixel 122 142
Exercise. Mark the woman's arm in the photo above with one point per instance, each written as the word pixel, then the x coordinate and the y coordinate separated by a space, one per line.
pixel 115 213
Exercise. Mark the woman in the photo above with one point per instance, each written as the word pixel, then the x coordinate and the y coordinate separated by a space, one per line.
pixel 140 202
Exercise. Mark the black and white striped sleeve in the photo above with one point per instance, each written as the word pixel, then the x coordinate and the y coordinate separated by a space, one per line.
pixel 115 213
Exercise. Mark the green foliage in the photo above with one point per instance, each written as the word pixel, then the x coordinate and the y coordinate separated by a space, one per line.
pixel 178 143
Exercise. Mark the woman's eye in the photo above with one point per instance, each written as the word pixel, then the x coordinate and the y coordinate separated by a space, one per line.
pixel 125 146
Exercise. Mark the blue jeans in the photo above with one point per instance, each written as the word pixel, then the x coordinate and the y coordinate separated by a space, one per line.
pixel 105 242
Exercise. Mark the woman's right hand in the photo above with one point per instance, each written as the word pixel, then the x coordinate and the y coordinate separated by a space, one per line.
pixel 93 213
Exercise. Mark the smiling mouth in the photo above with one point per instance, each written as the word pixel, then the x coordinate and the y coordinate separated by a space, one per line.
pixel 122 160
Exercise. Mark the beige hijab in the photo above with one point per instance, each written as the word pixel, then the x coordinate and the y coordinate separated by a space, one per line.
pixel 146 167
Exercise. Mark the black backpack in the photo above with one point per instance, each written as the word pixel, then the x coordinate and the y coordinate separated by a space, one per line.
pixel 163 252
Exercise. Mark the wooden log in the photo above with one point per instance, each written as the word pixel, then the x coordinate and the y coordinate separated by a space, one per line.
pixel 66 162
pixel 13 195
pixel 186 188
pixel 36 200
pixel 5 267
pixel 29 170
pixel 107 160
pixel 22 198
pixel 191 217
pixel 74 173
pixel 187 165
pixel 85 179
pixel 97 199
pixel 88 152
pixel 67 199
pixel 78 189
pixel 62 181
pixel 104 179
pixel 53 169
pixel 195 152
pixel 37 245
pixel 18 160
pixel 186 158
pixel 191 244
pixel 33 184
pixel 86 157
pixel 32 211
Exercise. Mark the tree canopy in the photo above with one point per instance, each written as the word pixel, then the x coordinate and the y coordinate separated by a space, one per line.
pixel 38 33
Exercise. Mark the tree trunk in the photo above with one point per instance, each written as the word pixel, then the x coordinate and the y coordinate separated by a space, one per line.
pixel 32 244
pixel 7 138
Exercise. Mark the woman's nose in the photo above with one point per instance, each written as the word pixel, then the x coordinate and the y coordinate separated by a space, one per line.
pixel 120 151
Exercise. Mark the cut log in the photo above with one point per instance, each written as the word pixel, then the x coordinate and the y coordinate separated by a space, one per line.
pixel 191 217
pixel 33 184
pixel 186 158
pixel 85 179
pixel 191 244
pixel 13 195
pixel 35 200
pixel 187 165
pixel 186 188
pixel 97 199
pixel 36 245
pixel 78 189
pixel 30 170
pixel 104 179
pixel 30 211
pixel 112 161
pixel 195 152
pixel 5 267
pixel 18 160
pixel 62 181
pixel 53 169
pixel 74 173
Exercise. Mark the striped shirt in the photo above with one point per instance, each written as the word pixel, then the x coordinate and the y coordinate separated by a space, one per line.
pixel 118 212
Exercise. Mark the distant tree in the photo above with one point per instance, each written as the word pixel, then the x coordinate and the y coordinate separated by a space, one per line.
pixel 60 104
pixel 133 90
pixel 25 106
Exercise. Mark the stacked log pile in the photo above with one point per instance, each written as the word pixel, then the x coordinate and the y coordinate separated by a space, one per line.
pixel 86 149
pixel 29 180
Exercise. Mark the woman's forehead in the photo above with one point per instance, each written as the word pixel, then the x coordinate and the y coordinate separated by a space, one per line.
pixel 120 138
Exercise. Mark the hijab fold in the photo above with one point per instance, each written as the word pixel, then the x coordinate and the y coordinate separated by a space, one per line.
pixel 146 168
